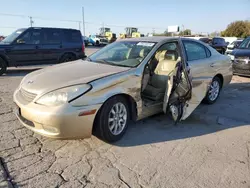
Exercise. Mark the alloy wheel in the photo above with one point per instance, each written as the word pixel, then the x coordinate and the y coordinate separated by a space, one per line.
pixel 214 90
pixel 117 119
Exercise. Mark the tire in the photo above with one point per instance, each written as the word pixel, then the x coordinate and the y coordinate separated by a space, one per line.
pixel 67 57
pixel 108 130
pixel 3 66
pixel 212 98
pixel 97 43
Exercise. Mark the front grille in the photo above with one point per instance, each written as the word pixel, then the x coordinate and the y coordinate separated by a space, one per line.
pixel 27 96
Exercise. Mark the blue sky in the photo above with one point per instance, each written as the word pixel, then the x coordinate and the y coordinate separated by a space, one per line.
pixel 197 15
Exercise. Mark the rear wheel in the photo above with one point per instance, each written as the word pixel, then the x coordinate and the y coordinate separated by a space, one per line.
pixel 214 91
pixel 3 66
pixel 112 120
pixel 97 43
pixel 67 58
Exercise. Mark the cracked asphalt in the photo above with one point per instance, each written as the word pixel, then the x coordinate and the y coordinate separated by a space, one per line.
pixel 210 149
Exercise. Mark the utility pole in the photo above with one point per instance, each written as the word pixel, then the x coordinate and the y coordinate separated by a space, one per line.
pixel 83 21
pixel 31 21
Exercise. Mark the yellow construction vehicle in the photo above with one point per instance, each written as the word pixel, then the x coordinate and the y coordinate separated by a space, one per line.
pixel 131 32
pixel 106 32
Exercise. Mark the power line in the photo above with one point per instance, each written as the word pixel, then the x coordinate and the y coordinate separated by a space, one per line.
pixel 14 15
pixel 37 17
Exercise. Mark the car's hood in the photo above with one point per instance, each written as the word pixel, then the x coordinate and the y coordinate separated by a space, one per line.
pixel 241 52
pixel 67 74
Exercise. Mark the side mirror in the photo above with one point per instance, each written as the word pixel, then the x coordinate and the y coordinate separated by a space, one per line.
pixel 20 41
pixel 227 43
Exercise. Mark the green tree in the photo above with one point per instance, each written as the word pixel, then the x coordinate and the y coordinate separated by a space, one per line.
pixel 185 32
pixel 237 29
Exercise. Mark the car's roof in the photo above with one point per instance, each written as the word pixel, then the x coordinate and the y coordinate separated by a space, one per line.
pixel 150 39
pixel 50 28
pixel 157 39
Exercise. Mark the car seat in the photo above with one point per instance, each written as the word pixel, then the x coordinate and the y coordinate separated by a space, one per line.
pixel 156 87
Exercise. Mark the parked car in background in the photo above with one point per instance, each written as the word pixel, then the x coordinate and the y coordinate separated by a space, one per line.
pixel 86 40
pixel 127 80
pixel 39 46
pixel 217 43
pixel 241 58
pixel 97 40
pixel 233 45
pixel 205 39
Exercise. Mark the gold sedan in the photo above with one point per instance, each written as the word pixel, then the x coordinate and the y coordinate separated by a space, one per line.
pixel 127 80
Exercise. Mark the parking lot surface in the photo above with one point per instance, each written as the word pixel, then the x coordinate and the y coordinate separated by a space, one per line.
pixel 210 149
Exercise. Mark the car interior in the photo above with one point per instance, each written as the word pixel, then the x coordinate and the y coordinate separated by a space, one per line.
pixel 157 71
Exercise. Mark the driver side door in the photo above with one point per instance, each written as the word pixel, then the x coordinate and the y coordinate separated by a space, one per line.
pixel 27 48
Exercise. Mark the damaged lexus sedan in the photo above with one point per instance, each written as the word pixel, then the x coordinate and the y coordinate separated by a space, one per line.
pixel 127 80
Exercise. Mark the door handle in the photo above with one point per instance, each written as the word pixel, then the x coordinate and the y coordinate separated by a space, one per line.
pixel 212 65
pixel 37 47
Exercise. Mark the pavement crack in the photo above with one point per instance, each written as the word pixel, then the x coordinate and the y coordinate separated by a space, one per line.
pixel 62 178
pixel 121 179
pixel 6 171
pixel 248 157
pixel 91 166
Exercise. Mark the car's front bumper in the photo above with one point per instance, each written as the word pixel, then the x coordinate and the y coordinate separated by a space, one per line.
pixel 62 122
pixel 104 43
pixel 241 69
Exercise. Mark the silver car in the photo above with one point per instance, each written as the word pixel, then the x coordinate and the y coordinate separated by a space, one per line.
pixel 127 80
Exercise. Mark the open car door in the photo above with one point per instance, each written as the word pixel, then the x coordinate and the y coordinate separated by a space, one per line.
pixel 184 93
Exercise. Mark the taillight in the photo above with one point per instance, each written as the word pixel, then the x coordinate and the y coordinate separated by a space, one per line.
pixel 83 47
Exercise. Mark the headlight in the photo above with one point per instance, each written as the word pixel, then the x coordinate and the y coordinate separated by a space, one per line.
pixel 232 57
pixel 63 95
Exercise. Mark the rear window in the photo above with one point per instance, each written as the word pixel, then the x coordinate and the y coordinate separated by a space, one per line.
pixel 219 40
pixel 72 36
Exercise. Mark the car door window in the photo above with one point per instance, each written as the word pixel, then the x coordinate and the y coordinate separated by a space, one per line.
pixel 32 37
pixel 194 50
pixel 52 36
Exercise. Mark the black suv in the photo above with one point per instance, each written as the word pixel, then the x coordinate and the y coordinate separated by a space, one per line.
pixel 39 46
pixel 217 43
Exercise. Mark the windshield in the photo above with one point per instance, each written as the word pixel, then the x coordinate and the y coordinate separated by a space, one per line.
pixel 13 36
pixel 123 53
pixel 245 43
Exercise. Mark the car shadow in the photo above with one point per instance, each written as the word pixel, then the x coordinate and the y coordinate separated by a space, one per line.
pixel 16 72
pixel 230 111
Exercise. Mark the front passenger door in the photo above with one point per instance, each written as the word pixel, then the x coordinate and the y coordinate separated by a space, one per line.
pixel 26 50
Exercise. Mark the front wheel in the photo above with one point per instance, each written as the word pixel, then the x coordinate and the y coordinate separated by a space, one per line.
pixel 214 91
pixel 112 120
